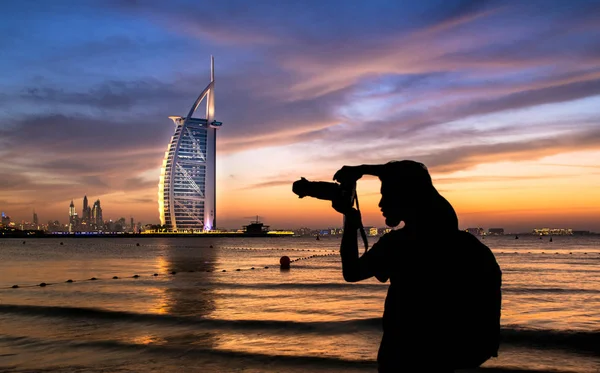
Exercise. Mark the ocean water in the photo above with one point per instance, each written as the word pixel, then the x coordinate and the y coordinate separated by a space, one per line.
pixel 224 305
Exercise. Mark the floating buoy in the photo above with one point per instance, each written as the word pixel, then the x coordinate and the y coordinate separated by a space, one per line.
pixel 136 276
pixel 115 277
pixel 173 272
pixel 237 270
pixel 156 274
pixel 137 244
pixel 15 286
pixel 550 239
pixel 23 242
pixel 69 281
pixel 93 279
pixel 284 262
pixel 252 268
pixel 43 284
pixel 267 267
pixel 211 246
pixel 61 243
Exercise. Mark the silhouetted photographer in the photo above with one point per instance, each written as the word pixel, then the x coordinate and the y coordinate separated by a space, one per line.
pixel 442 310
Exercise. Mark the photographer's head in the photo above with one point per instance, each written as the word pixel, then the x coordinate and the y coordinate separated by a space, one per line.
pixel 406 191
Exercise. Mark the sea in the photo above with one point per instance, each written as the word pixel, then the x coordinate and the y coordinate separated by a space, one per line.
pixel 225 305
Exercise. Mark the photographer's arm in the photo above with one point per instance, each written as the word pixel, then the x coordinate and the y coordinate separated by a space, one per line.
pixel 353 173
pixel 353 268
pixel 371 169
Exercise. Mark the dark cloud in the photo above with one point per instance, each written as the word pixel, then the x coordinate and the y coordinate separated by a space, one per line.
pixel 271 22
pixel 142 200
pixel 464 155
pixel 137 183
pixel 468 156
pixel 79 137
pixel 14 181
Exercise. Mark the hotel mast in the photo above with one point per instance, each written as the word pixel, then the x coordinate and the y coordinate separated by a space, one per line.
pixel 187 187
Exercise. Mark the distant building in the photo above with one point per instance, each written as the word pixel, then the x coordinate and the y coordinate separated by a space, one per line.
pixel 72 217
pixel 55 226
pixel 476 231
pixel 553 231
pixel 86 213
pixel 97 218
pixel 36 223
pixel 187 186
pixel 496 231
pixel 304 231
pixel 385 230
pixel 5 220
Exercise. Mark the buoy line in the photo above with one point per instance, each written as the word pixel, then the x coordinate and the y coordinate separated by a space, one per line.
pixel 171 272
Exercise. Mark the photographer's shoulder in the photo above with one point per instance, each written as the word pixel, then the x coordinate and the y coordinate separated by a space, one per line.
pixel 393 237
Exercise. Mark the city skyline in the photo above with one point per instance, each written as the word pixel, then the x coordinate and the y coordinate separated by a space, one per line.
pixel 498 99
pixel 493 230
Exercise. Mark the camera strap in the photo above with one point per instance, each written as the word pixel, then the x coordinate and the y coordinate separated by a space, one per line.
pixel 363 234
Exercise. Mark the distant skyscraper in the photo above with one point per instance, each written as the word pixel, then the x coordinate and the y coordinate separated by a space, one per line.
pixel 187 187
pixel 35 219
pixel 96 218
pixel 72 217
pixel 86 212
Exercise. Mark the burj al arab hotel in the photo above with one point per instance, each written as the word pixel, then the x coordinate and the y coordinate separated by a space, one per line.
pixel 187 187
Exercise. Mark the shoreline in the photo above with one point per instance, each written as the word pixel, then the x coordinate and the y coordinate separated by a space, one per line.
pixel 142 235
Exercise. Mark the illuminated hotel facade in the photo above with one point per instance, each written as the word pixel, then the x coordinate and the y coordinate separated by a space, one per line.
pixel 187 187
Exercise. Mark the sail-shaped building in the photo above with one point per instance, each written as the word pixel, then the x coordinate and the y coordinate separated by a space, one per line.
pixel 187 187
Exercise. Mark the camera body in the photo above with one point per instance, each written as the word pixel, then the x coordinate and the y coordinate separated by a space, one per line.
pixel 341 195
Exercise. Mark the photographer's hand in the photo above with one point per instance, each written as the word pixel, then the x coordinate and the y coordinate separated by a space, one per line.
pixel 348 174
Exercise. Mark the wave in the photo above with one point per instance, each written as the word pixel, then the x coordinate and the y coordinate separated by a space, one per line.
pixel 578 341
pixel 222 357
pixel 321 327
pixel 571 340
pixel 301 286
pixel 518 290
pixel 189 351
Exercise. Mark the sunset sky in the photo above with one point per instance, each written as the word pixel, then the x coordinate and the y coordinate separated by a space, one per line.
pixel 501 100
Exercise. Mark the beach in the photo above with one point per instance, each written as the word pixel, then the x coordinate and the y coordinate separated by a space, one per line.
pixel 223 305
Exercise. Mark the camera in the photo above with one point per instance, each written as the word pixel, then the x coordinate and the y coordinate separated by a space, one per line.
pixel 341 195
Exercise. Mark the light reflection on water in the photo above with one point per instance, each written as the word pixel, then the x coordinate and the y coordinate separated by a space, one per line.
pixel 542 290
